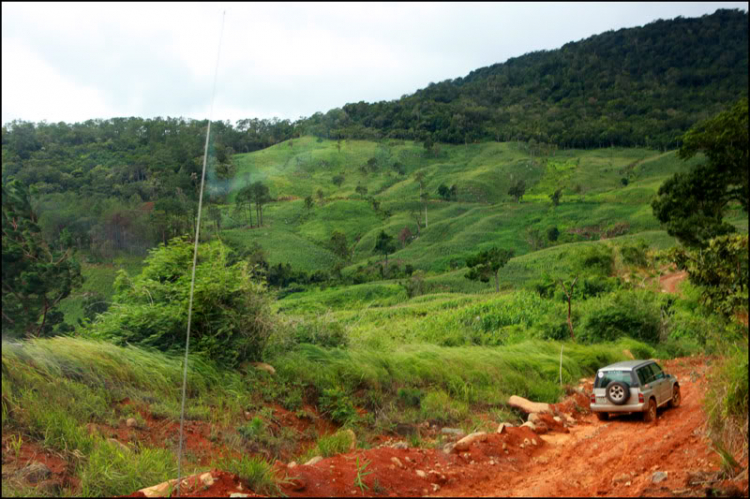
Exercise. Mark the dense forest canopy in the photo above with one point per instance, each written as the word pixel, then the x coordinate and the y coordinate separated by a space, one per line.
pixel 641 86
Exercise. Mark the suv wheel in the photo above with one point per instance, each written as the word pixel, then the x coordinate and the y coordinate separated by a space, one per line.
pixel 602 416
pixel 618 392
pixel 676 397
pixel 650 415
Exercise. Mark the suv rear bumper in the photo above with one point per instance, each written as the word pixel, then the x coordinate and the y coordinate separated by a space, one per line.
pixel 619 408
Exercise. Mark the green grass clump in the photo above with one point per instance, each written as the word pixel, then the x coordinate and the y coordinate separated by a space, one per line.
pixel 257 472
pixel 330 445
pixel 171 410
pixel 110 470
pixel 727 402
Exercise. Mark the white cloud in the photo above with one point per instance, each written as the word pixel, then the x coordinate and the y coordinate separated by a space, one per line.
pixel 34 91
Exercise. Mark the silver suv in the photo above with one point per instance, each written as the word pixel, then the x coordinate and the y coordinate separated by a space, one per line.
pixel 633 386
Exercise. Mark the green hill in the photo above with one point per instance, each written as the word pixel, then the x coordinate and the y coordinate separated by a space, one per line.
pixel 580 95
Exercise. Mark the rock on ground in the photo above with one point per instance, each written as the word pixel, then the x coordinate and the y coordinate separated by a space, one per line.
pixel 353 443
pixel 262 366
pixel 528 406
pixel 503 426
pixel 314 460
pixel 453 431
pixel 466 442
pixel 659 476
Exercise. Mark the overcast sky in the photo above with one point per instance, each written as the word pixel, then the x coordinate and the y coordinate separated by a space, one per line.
pixel 72 62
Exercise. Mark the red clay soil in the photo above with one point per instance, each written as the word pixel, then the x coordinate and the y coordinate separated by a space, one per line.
pixel 669 282
pixel 33 452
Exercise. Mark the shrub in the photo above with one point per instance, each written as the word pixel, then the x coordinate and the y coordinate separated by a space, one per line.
pixel 410 396
pixel 596 259
pixel 635 253
pixel 231 319
pixel 624 313
pixel 338 405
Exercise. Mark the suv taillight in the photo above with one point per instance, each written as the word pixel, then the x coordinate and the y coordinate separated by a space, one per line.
pixel 593 399
pixel 640 398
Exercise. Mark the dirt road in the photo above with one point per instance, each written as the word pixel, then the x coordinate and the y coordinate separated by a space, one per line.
pixel 619 457
pixel 669 282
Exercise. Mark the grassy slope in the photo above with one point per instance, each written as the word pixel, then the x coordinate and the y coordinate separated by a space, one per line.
pixel 482 215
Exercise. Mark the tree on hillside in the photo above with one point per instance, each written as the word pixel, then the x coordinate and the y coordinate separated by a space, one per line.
pixel 244 201
pixel 692 205
pixel 417 220
pixel 446 192
pixel 553 233
pixel 361 190
pixel 384 244
pixel 35 276
pixel 261 196
pixel 338 245
pixel 321 195
pixel 404 236
pixel 517 190
pixel 419 177
pixel 721 270
pixel 338 180
pixel 309 203
pixel 231 319
pixel 555 197
pixel 488 263
pixel 214 214
pixel 596 260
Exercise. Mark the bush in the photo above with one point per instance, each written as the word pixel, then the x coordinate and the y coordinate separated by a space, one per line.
pixel 231 319
pixel 411 397
pixel 635 253
pixel 636 314
pixel 596 259
pixel 338 405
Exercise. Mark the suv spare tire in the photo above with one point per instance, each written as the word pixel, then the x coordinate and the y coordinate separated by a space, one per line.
pixel 618 392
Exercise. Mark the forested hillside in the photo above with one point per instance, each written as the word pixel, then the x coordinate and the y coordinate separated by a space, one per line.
pixel 631 87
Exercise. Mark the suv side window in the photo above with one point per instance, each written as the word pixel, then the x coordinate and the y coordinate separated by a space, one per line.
pixel 648 373
pixel 643 375
pixel 658 373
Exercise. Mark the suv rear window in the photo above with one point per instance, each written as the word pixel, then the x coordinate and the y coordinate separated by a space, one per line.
pixel 603 378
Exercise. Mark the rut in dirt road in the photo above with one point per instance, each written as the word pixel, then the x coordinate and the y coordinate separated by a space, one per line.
pixel 619 457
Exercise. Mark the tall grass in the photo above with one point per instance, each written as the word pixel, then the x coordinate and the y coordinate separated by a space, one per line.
pixel 727 406
pixel 478 376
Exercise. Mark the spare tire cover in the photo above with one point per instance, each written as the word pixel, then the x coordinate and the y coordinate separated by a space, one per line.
pixel 618 392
